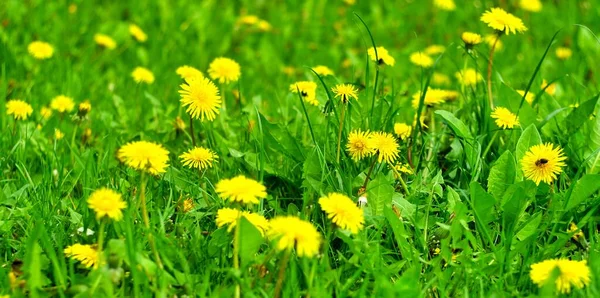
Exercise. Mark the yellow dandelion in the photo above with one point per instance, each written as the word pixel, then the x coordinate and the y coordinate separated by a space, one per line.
pixel 531 5
pixel 345 92
pixel 40 50
pixel 577 233
pixel 229 217
pixel 142 75
pixel 382 57
pixel 187 205
pixel 137 33
pixel 291 232
pixel 402 168
pixel 323 70
pixel 62 104
pixel 434 97
pixel 434 49
pixel 421 59
pixel 264 26
pixel 343 212
pixel 440 79
pixel 225 70
pixel 58 135
pixel 107 202
pixel 563 53
pixel 105 41
pixel 505 118
pixel 86 254
pixel 199 158
pixel 470 39
pixel 402 130
pixel 543 162
pixel 385 146
pixel 469 77
pixel 359 145
pixel 145 156
pixel 84 108
pixel 308 91
pixel 445 4
pixel 201 97
pixel 549 88
pixel 241 189
pixel 188 72
pixel 248 20
pixel 571 274
pixel 502 21
pixel 46 113
pixel 18 109
pixel 490 39
pixel 529 98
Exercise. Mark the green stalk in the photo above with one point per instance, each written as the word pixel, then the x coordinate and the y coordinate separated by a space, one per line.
pixel 281 275
pixel 100 242
pixel 489 72
pixel 340 132
pixel 236 253
pixel 147 221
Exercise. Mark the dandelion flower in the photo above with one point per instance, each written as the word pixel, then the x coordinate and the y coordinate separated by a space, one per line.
pixel 225 70
pixel 241 189
pixel 345 92
pixel 434 97
pixel 142 75
pixel 385 146
pixel 440 79
pixel 291 232
pixel 470 39
pixel 229 217
pixel 107 202
pixel 308 91
pixel 201 97
pixel 563 53
pixel 86 254
pixel 46 113
pixel 19 109
pixel 502 21
pixel 40 50
pixel 188 72
pixel 531 5
pixel 402 168
pixel 434 49
pixel 105 41
pixel 137 33
pixel 543 163
pixel 548 88
pixel 199 158
pixel 402 130
pixel 84 108
pixel 62 104
pixel 264 26
pixel 323 70
pixel 187 205
pixel 577 233
pixel 382 56
pixel 145 156
pixel 248 20
pixel 421 59
pixel 445 4
pixel 505 118
pixel 58 135
pixel 529 98
pixel 469 77
pixel 571 274
pixel 359 145
pixel 343 212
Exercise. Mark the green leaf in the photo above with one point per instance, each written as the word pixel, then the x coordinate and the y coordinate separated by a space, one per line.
pixel 579 115
pixel 592 155
pixel 529 137
pixel 459 128
pixel 502 174
pixel 380 192
pixel 530 227
pixel 583 189
pixel 250 241
pixel 399 232
pixel 588 44
pixel 483 203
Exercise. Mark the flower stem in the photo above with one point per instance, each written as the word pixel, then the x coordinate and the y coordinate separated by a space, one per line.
pixel 340 132
pixel 370 171
pixel 489 72
pixel 489 145
pixel 236 253
pixel 147 221
pixel 281 275
pixel 100 242
pixel 192 131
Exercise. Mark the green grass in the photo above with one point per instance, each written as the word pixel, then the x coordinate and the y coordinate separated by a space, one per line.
pixel 489 224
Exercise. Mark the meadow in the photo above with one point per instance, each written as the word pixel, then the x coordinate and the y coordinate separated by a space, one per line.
pixel 350 148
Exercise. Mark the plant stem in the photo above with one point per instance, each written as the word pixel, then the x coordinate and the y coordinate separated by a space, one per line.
pixel 489 72
pixel 100 242
pixel 489 145
pixel 370 171
pixel 374 93
pixel 236 253
pixel 192 131
pixel 340 132
pixel 147 221
pixel 281 275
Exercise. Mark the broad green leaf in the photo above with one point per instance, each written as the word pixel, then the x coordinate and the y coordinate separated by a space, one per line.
pixel 588 44
pixel 593 144
pixel 579 115
pixel 502 174
pixel 379 194
pixel 529 137
pixel 399 232
pixel 407 209
pixel 483 203
pixel 459 128
pixel 250 241
pixel 530 227
pixel 583 189
pixel 515 199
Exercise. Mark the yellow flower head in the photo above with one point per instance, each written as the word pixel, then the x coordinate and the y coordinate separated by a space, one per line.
pixel 401 168
pixel 323 70
pixel 359 145
pixel 402 130
pixel 58 135
pixel 529 98
pixel 543 163
pixel 385 145
pixel 40 50
pixel 145 156
pixel 188 72
pixel 107 202
pixel 469 77
pixel 241 189
pixel 571 274
pixel 142 75
pixel 106 41
pixel 187 205
pixel 434 49
pixel 531 5
pixel 86 254
pixel 505 118
pixel 421 59
pixel 45 112
pixel 500 20
pixel 137 33
pixel 382 56
pixel 440 79
pixel 199 158
pixel 490 39
pixel 577 233
pixel 308 91
pixel 551 89
pixel 291 232
pixel 229 217
pixel 445 4
pixel 19 109
pixel 563 53
pixel 62 104
pixel 434 97
pixel 264 26
pixel 84 108
pixel 201 97
pixel 248 20
pixel 225 70
pixel 345 92
pixel 343 212
pixel 470 39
